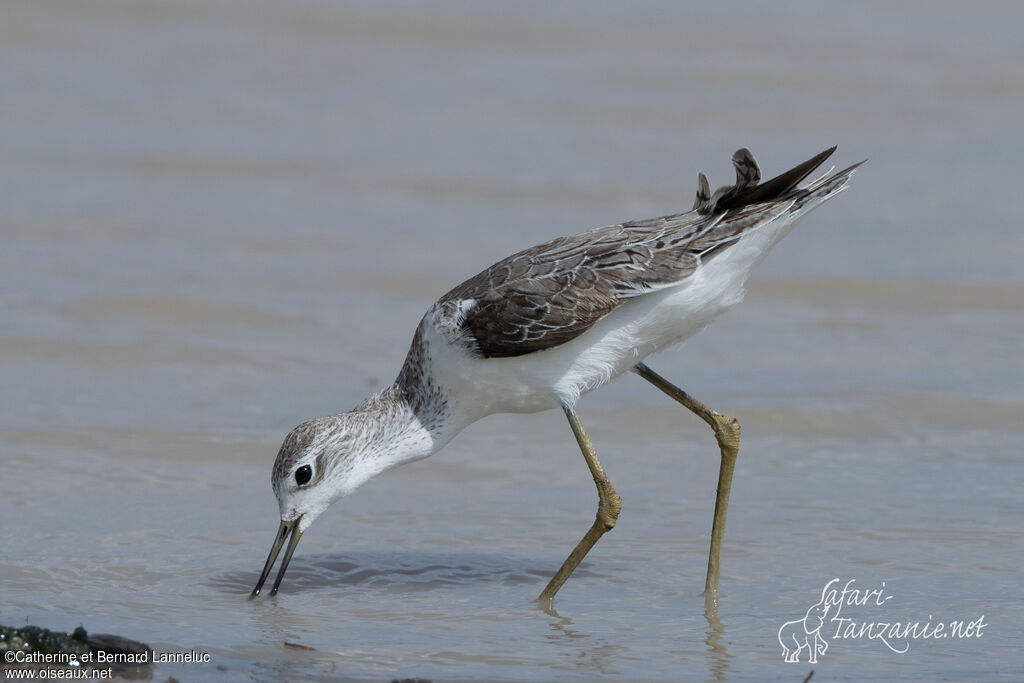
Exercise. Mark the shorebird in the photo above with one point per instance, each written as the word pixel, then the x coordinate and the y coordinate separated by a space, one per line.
pixel 541 328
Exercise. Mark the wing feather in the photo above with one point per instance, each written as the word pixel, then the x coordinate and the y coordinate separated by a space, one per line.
pixel 547 295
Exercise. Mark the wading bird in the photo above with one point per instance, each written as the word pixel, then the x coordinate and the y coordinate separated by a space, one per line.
pixel 545 326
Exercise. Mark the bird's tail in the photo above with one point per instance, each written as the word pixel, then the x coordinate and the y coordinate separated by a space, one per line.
pixel 748 190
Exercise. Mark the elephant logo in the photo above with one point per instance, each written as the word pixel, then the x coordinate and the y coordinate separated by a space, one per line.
pixel 798 634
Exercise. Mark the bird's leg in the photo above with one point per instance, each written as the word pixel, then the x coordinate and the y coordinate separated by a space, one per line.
pixel 608 506
pixel 727 433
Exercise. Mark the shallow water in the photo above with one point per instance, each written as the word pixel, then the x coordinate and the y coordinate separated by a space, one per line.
pixel 222 218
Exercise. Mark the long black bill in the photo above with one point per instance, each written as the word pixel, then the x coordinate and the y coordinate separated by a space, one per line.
pixel 282 534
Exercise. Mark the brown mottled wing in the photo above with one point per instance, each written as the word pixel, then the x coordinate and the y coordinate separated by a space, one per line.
pixel 548 295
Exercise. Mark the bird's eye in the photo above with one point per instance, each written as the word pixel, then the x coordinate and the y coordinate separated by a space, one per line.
pixel 303 475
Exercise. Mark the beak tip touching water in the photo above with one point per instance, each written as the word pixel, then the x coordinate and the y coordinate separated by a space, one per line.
pixel 283 531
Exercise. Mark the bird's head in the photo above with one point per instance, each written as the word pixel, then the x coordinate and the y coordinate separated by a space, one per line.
pixel 319 462
pixel 309 472
pixel 327 458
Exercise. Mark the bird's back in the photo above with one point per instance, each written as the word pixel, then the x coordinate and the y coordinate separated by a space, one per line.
pixel 561 318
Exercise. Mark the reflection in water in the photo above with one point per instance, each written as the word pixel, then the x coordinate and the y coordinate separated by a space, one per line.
pixel 599 657
pixel 718 655
pixel 403 571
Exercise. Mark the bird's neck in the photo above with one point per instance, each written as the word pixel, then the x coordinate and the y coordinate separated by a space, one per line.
pixel 408 421
pixel 414 417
